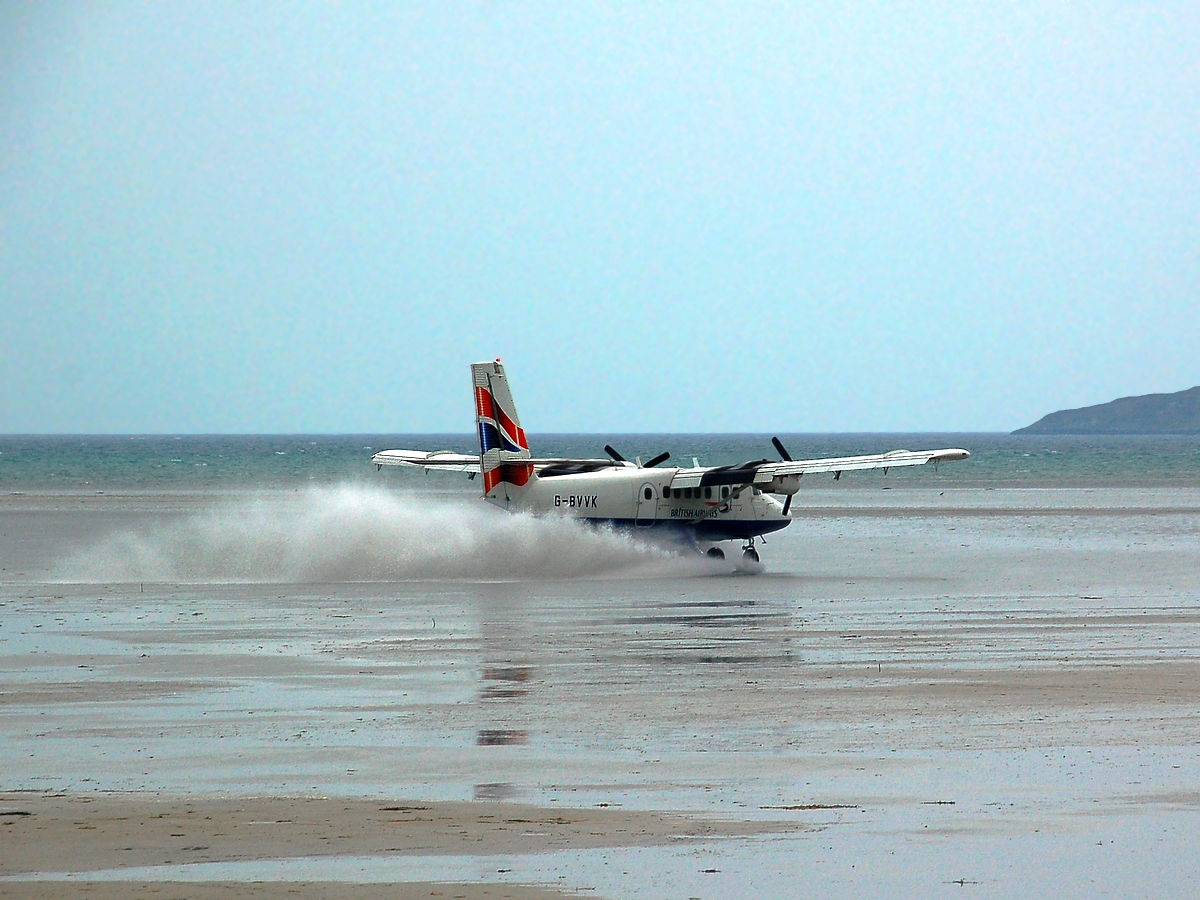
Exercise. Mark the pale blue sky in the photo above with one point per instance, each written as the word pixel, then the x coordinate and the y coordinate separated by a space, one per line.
pixel 675 217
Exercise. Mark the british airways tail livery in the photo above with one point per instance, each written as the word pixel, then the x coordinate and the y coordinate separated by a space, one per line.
pixel 503 447
pixel 700 504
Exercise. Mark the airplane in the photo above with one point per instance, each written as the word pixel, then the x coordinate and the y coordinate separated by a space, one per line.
pixel 706 504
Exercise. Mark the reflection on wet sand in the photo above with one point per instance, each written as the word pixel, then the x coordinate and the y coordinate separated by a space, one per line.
pixel 496 790
pixel 501 737
pixel 509 677
pixel 507 681
pixel 732 632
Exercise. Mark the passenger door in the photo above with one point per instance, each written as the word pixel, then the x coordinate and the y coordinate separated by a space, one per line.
pixel 647 506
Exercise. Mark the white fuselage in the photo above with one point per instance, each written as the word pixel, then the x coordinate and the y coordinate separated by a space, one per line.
pixel 642 498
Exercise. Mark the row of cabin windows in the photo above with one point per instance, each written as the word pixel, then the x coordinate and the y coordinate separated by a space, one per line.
pixel 686 493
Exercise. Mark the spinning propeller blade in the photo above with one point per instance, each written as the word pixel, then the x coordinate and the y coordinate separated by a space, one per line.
pixel 613 453
pixel 662 457
pixel 787 457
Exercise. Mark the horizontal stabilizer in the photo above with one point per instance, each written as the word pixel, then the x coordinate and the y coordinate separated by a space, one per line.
pixel 449 461
pixel 445 460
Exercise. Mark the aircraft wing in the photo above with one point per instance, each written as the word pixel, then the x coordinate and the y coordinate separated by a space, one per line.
pixel 765 472
pixel 449 461
pixel 445 460
pixel 892 459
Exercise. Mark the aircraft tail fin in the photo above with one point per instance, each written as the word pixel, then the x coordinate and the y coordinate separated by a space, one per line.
pixel 502 440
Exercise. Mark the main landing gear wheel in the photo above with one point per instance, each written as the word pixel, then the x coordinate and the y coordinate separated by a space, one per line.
pixel 750 563
pixel 715 553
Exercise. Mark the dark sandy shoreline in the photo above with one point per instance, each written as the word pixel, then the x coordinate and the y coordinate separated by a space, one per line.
pixel 277 890
pixel 46 834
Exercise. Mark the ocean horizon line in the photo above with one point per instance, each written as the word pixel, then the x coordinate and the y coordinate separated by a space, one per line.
pixel 532 434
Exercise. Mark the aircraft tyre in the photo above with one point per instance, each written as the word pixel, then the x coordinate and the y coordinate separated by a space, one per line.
pixel 715 553
pixel 750 557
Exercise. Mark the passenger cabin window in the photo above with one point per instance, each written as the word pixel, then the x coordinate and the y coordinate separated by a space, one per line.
pixel 648 494
pixel 725 493
pixel 687 493
pixel 708 493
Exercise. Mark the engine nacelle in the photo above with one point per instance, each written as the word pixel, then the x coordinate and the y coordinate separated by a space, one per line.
pixel 780 484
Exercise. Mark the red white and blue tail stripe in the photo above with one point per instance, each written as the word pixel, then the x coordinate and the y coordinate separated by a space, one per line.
pixel 502 440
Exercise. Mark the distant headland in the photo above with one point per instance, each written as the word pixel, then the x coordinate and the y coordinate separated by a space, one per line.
pixel 1177 413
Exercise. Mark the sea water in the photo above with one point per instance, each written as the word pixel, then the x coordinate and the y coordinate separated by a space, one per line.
pixel 235 462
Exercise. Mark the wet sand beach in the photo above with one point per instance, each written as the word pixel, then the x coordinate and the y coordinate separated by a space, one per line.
pixel 926 692
pixel 108 830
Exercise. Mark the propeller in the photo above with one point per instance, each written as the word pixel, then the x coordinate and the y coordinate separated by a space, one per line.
pixel 787 457
pixel 608 448
pixel 662 457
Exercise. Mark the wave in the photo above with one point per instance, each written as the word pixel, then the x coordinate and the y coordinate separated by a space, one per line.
pixel 355 533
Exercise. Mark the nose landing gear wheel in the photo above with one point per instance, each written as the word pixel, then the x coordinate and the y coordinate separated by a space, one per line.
pixel 715 553
pixel 750 563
